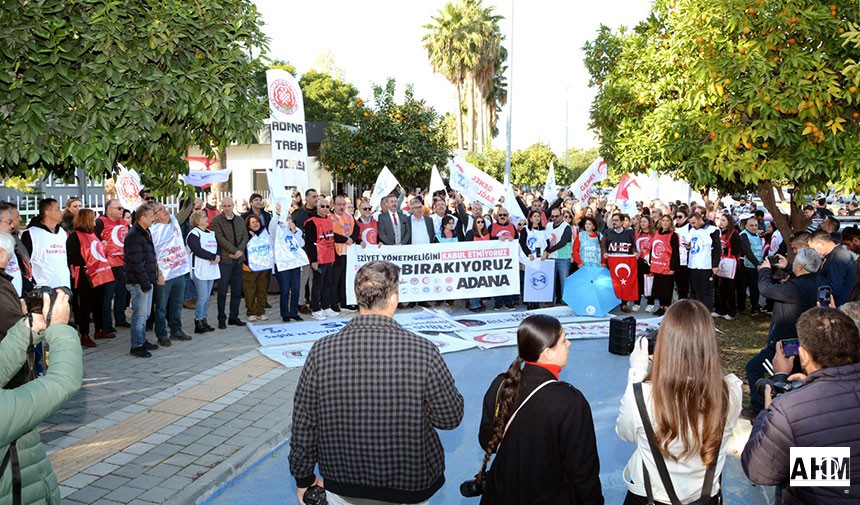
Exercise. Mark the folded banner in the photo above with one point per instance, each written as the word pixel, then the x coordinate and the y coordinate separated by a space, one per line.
pixel 473 183
pixel 577 331
pixel 204 178
pixel 538 280
pixel 624 271
pixel 595 172
pixel 448 271
pixel 287 125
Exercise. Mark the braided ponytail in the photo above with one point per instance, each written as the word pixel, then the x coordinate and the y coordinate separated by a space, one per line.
pixel 508 391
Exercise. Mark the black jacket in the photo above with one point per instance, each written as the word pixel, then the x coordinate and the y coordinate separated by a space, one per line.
pixel 791 299
pixel 823 413
pixel 549 454
pixel 838 272
pixel 141 266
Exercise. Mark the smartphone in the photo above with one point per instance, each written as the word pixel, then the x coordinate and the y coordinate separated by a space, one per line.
pixel 790 347
pixel 824 296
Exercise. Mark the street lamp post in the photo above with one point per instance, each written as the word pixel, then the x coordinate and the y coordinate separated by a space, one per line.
pixel 510 101
pixel 566 123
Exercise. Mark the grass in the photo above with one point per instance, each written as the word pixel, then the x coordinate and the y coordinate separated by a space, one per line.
pixel 741 339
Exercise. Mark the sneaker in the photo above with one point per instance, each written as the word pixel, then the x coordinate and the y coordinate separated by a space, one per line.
pixel 497 307
pixel 714 314
pixel 649 308
pixel 297 318
pixel 636 307
pixel 252 318
pixel 164 342
pixel 511 306
pixel 140 352
pixel 264 317
pixel 318 315
pixel 727 317
pixel 331 313
pixel 149 347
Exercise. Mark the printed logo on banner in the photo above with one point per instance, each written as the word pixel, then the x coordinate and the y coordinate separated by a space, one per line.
pixel 283 97
pixel 492 339
pixel 590 310
pixel 539 281
pixel 820 466
pixel 295 354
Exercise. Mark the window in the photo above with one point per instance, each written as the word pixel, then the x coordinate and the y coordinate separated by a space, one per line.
pixel 261 181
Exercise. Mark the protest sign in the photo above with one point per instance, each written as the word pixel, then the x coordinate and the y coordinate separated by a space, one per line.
pixel 473 183
pixel 538 280
pixel 595 172
pixel 385 184
pixel 128 188
pixel 448 271
pixel 287 125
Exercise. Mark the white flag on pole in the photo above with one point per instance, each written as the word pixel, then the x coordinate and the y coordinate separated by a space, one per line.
pixel 597 171
pixel 550 190
pixel 385 184
pixel 436 182
pixel 473 183
pixel 512 206
pixel 287 125
pixel 203 178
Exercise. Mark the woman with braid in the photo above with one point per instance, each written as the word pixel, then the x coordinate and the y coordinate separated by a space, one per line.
pixel 540 428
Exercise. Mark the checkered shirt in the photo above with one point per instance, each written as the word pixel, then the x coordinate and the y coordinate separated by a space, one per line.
pixel 367 402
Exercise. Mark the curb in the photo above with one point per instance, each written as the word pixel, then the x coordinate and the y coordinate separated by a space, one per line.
pixel 223 474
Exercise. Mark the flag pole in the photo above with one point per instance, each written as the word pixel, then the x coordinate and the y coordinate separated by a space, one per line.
pixel 510 101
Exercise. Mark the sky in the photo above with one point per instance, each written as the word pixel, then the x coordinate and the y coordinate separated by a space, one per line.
pixel 377 39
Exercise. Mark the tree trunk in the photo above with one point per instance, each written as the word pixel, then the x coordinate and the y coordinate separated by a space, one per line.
pixel 783 224
pixel 780 193
pixel 482 124
pixel 459 116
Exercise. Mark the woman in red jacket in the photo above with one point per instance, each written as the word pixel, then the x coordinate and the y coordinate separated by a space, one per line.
pixel 643 244
pixel 665 261
pixel 90 272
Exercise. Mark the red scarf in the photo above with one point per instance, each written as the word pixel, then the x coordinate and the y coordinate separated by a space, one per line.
pixel 553 369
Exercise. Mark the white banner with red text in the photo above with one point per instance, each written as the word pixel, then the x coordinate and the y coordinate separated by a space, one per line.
pixel 448 271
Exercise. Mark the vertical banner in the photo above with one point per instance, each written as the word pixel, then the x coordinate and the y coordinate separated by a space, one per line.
pixel 287 125
pixel 473 183
pixel 550 190
pixel 385 184
pixel 539 281
pixel 595 172
pixel 128 188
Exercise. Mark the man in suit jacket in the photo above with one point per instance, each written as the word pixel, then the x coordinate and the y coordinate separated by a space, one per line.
pixel 393 224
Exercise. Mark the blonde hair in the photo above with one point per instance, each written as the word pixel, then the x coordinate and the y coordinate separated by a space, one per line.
pixel 197 216
pixel 688 390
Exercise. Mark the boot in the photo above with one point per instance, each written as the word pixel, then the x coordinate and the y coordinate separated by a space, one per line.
pixel 200 326
pixel 206 325
pixel 86 341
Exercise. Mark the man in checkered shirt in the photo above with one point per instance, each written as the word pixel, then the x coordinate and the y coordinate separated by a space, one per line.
pixel 367 403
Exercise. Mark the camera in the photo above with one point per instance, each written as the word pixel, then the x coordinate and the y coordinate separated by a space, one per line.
pixel 773 260
pixel 779 384
pixel 472 488
pixel 34 300
pixel 651 335
pixel 315 495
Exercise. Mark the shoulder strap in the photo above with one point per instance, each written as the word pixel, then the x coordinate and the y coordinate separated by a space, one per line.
pixel 523 404
pixel 658 457
pixel 12 455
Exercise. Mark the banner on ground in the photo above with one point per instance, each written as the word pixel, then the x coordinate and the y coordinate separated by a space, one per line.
pixel 290 355
pixel 448 271
pixel 287 125
pixel 447 343
pixel 385 184
pixel 205 178
pixel 473 183
pixel 538 281
pixel 550 190
pixel 128 188
pixel 496 320
pixel 290 333
pixel 595 172
pixel 486 339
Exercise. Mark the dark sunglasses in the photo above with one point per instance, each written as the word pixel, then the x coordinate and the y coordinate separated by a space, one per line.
pixel 365 208
pixel 325 206
pixel 503 215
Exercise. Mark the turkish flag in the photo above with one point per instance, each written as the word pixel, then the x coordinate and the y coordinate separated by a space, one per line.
pixel 624 276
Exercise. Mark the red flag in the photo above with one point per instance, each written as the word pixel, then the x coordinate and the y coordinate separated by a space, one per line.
pixel 624 185
pixel 624 276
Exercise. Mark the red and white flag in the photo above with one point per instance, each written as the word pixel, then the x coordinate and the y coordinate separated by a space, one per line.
pixel 625 274
pixel 596 172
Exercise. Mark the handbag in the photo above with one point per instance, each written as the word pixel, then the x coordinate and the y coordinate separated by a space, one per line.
pixel 728 267
pixel 705 498
pixel 649 284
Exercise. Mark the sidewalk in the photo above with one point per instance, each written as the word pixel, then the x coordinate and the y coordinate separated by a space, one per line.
pixel 171 428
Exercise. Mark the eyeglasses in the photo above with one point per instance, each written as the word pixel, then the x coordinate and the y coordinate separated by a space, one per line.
pixel 324 206
pixel 503 215
pixel 149 199
pixel 114 208
pixel 365 208
pixel 555 216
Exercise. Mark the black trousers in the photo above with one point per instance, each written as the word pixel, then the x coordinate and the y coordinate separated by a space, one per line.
pixel 682 282
pixel 662 289
pixel 644 268
pixel 338 297
pixel 231 277
pixel 726 293
pixel 322 287
pixel 702 286
pixel 89 306
pixel 747 278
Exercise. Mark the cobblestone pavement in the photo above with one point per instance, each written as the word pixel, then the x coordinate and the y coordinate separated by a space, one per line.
pixel 171 428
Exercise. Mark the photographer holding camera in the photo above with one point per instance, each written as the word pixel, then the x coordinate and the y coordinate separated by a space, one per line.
pixel 824 413
pixel 680 413
pixel 791 298
pixel 25 472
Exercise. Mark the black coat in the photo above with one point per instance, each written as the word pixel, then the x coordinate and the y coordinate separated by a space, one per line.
pixel 823 413
pixel 791 299
pixel 549 454
pixel 141 266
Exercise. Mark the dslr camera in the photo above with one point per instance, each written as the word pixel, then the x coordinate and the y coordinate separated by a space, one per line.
pixel 779 385
pixel 472 488
pixel 314 495
pixel 34 299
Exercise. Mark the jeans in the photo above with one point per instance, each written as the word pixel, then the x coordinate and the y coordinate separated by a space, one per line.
pixel 141 303
pixel 289 281
pixel 116 294
pixel 190 289
pixel 755 371
pixel 204 293
pixel 168 307
pixel 322 289
pixel 562 270
pixel 231 277
pixel 503 301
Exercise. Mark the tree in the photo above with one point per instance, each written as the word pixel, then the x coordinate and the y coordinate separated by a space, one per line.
pixel 530 166
pixel 406 137
pixel 464 44
pixel 733 95
pixel 92 83
pixel 328 98
pixel 580 159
